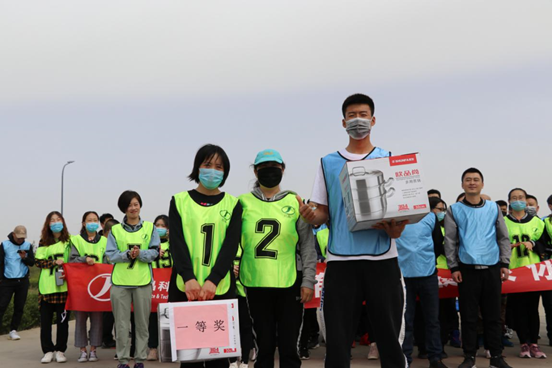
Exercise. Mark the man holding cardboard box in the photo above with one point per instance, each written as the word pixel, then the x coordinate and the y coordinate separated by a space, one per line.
pixel 362 265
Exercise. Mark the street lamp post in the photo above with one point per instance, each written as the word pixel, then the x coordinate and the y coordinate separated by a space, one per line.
pixel 62 172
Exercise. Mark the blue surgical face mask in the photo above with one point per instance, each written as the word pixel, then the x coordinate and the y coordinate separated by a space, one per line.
pixel 56 227
pixel 161 231
pixel 440 216
pixel 92 226
pixel 518 205
pixel 531 210
pixel 210 178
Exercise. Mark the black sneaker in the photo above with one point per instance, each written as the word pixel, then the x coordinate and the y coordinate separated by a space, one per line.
pixel 469 362
pixel 437 364
pixel 304 354
pixel 498 362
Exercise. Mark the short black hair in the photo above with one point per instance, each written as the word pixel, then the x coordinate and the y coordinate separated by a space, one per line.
pixel 433 202
pixel 501 203
pixel 472 170
pixel 105 217
pixel 549 200
pixel 126 197
pixel 358 99
pixel 434 191
pixel 165 219
pixel 530 196
pixel 510 193
pixel 109 224
pixel 460 196
pixel 206 153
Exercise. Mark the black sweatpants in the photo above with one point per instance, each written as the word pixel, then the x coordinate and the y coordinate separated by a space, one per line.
pixel 346 285
pixel 277 315
pixel 480 288
pixel 526 316
pixel 47 311
pixel 17 288
pixel 246 330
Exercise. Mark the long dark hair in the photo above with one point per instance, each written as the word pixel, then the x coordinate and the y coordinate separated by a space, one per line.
pixel 47 236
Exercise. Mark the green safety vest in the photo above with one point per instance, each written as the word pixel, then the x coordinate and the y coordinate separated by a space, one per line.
pixel 47 278
pixel 240 289
pixel 165 261
pixel 519 232
pixel 204 229
pixel 322 237
pixel 442 259
pixel 133 273
pixel 87 249
pixel 269 241
pixel 548 225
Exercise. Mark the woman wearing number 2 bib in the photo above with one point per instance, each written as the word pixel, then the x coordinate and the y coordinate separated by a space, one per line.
pixel 277 281
pixel 205 231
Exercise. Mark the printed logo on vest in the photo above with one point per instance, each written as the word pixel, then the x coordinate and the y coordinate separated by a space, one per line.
pixel 225 215
pixel 98 287
pixel 288 211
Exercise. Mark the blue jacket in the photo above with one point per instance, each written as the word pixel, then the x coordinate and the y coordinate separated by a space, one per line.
pixel 12 266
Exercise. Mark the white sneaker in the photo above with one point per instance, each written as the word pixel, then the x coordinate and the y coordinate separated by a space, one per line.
pixel 14 335
pixel 60 357
pixel 83 357
pixel 373 353
pixel 233 365
pixel 48 357
pixel 243 365
pixel 93 357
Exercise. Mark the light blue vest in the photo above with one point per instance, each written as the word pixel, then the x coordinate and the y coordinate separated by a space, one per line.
pixel 14 268
pixel 416 248
pixel 477 233
pixel 343 242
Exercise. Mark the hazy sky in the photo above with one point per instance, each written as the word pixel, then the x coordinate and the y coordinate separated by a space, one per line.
pixel 131 89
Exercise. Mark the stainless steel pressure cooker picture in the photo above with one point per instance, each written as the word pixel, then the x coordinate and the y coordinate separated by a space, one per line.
pixel 370 191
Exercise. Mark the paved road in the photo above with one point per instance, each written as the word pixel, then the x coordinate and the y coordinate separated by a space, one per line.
pixel 26 353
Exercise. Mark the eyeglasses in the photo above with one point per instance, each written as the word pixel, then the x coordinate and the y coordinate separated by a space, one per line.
pixel 442 209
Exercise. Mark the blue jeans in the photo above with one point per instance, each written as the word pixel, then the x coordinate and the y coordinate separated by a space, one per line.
pixel 427 289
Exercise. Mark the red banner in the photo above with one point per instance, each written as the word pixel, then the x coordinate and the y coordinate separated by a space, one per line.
pixel 89 286
pixel 535 277
pixel 320 271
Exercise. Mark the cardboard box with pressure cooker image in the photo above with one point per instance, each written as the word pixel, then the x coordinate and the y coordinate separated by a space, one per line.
pixel 383 189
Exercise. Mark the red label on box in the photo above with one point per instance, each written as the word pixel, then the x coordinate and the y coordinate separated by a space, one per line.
pixel 420 206
pixel 402 160
pixel 230 350
pixel 214 351
pixel 403 207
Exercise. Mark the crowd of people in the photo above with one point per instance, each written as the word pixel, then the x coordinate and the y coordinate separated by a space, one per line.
pixel 262 248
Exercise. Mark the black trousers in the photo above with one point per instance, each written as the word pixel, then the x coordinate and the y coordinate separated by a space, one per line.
pixel 17 288
pixel 47 311
pixel 481 288
pixel 277 314
pixel 153 339
pixel 525 307
pixel 346 285
pixel 108 323
pixel 309 328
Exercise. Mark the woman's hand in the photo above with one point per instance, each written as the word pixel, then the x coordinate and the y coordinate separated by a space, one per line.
pixel 207 291
pixel 528 245
pixel 236 270
pixel 306 294
pixel 90 261
pixel 59 262
pixel 192 289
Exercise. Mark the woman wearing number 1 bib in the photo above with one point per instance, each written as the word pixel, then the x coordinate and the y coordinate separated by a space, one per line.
pixel 205 231
pixel 278 263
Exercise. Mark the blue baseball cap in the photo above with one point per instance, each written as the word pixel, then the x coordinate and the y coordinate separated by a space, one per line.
pixel 268 155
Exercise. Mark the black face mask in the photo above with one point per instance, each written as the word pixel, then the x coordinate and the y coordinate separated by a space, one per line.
pixel 504 214
pixel 269 177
